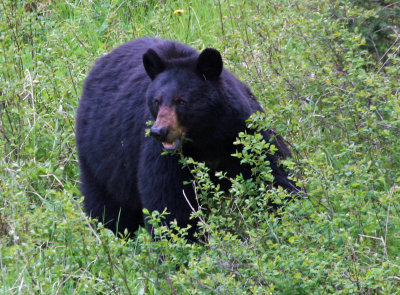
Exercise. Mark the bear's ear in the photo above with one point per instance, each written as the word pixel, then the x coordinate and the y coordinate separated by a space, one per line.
pixel 153 64
pixel 210 64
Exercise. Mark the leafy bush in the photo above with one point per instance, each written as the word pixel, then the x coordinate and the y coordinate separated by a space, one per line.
pixel 310 64
pixel 379 24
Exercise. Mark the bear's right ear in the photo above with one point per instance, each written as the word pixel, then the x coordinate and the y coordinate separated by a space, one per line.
pixel 210 64
pixel 153 64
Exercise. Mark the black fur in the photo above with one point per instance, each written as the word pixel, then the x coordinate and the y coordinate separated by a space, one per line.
pixel 122 171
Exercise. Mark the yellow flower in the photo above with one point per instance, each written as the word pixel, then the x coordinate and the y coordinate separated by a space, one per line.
pixel 178 11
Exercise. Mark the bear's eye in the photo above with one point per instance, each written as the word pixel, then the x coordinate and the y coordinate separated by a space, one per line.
pixel 180 101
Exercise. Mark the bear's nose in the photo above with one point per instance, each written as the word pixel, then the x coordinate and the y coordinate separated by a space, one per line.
pixel 159 133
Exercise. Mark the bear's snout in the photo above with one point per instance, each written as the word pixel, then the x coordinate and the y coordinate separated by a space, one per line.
pixel 167 130
pixel 169 138
pixel 159 133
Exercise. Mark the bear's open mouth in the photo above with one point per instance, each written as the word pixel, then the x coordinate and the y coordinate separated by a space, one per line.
pixel 170 146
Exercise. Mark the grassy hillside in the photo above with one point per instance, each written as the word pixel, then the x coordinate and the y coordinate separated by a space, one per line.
pixel 327 75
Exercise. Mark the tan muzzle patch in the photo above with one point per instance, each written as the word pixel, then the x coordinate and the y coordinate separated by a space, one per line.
pixel 167 120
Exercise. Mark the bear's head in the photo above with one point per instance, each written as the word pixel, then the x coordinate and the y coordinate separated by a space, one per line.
pixel 183 96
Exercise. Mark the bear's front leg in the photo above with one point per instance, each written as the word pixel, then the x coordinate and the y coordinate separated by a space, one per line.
pixel 161 187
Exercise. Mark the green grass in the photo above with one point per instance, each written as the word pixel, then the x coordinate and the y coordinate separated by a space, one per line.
pixel 323 87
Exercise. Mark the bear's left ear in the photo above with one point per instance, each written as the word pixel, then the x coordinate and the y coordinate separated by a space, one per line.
pixel 210 64
pixel 153 63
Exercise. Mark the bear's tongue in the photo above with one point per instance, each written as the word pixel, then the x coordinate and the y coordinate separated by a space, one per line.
pixel 170 146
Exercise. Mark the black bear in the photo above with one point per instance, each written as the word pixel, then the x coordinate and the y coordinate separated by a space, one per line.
pixel 196 105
